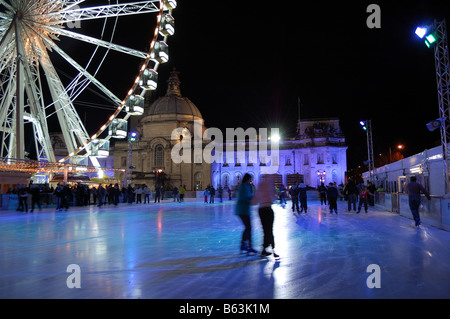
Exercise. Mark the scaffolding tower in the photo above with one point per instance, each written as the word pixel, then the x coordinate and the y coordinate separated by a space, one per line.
pixel 441 58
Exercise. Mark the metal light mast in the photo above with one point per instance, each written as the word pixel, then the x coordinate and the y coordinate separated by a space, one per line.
pixel 367 126
pixel 441 59
pixel 370 150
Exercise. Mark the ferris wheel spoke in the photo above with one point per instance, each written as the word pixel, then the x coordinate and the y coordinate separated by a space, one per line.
pixel 107 11
pixel 37 111
pixel 69 5
pixel 7 114
pixel 7 5
pixel 71 125
pixel 7 44
pixel 98 42
pixel 91 78
pixel 7 86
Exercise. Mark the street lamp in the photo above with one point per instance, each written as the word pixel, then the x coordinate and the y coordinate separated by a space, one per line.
pixel 398 147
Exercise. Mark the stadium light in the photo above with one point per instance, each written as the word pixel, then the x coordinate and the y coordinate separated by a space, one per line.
pixel 428 33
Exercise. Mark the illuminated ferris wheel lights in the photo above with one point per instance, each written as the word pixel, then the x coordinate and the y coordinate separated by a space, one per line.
pixel 99 148
pixel 29 29
pixel 118 128
pixel 170 4
pixel 167 26
pixel 160 52
pixel 135 105
pixel 149 80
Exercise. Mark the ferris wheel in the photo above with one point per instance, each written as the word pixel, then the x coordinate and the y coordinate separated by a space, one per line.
pixel 32 93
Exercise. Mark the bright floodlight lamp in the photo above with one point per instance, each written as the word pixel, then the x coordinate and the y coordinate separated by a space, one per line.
pixel 428 33
pixel 275 138
pixel 421 32
pixel 363 124
pixel 430 39
pixel 133 136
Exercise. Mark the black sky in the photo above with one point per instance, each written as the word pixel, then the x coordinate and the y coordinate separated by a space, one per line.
pixel 245 64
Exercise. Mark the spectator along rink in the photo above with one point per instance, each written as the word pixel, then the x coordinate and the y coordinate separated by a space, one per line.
pixel 190 250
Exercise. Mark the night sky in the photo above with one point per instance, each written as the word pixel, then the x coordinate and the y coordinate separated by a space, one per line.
pixel 245 64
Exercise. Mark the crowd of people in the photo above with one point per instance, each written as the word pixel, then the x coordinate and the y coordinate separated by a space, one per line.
pixel 331 194
pixel 65 195
pixel 266 194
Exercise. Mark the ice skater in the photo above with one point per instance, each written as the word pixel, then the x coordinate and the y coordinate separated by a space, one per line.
pixel 351 192
pixel 302 195
pixel 323 194
pixel 245 195
pixel 264 197
pixel 363 199
pixel 332 195
pixel 414 189
pixel 293 191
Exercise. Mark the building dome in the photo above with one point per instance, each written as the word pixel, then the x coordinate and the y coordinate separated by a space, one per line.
pixel 173 104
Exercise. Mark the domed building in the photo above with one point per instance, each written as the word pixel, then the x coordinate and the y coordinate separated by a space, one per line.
pixel 151 152
pixel 316 155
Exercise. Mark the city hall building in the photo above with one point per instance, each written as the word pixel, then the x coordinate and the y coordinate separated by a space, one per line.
pixel 317 154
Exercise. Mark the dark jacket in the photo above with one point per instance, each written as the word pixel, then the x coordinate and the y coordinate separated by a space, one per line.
pixel 332 191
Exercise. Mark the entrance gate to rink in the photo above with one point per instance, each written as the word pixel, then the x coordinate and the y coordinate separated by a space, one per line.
pixel 434 212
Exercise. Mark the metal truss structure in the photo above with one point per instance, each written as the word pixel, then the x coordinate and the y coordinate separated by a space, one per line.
pixel 441 59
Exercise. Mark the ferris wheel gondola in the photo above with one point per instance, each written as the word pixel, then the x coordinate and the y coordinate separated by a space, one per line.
pixel 31 90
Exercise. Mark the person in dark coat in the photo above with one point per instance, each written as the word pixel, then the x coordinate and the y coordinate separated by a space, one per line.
pixel 245 195
pixel 35 197
pixel 293 191
pixel 351 191
pixel 414 189
pixel 323 194
pixel 332 195
pixel 157 194
pixel 302 195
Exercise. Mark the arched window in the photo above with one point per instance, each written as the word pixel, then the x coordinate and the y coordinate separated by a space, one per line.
pixel 198 181
pixel 159 156
pixel 226 180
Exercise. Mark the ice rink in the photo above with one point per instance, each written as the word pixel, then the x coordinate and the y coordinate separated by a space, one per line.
pixel 191 250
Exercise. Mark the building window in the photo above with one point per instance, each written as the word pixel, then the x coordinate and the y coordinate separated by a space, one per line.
pixel 305 159
pixel 159 156
pixel 262 160
pixel 237 179
pixel 334 158
pixel 226 180
pixel 320 158
pixel 198 181
pixel 123 161
pixel 288 161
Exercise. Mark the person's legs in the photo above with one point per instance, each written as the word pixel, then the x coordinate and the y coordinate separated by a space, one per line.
pixel 246 242
pixel 414 204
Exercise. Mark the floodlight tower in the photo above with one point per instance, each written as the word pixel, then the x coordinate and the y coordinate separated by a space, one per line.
pixel 436 36
pixel 367 126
